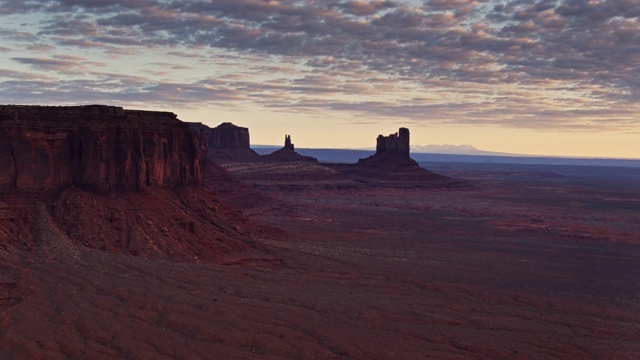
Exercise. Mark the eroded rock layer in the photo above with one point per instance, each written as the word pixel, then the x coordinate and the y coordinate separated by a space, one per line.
pixel 95 147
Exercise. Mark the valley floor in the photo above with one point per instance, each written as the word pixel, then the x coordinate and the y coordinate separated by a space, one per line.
pixel 513 267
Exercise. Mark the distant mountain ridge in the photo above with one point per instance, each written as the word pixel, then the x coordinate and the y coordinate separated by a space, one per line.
pixel 452 149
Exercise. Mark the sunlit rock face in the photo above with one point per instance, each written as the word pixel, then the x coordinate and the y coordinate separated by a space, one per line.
pixel 101 148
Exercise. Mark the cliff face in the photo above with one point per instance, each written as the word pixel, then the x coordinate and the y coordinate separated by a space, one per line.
pixel 95 147
pixel 394 144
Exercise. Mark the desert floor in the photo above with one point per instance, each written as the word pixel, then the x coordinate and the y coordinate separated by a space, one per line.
pixel 522 264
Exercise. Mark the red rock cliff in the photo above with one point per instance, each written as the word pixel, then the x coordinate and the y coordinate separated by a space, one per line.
pixel 95 147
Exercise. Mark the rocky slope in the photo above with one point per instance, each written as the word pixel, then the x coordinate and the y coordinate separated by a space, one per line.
pixel 229 188
pixel 118 180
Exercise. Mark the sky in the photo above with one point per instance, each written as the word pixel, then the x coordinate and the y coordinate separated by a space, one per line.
pixel 545 77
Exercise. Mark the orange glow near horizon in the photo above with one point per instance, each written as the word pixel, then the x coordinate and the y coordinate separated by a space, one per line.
pixel 545 78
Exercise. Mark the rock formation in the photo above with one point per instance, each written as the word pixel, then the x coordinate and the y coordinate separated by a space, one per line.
pixel 392 163
pixel 287 143
pixel 227 135
pixel 58 163
pixel 227 143
pixel 95 147
pixel 391 151
pixel 287 154
pixel 395 144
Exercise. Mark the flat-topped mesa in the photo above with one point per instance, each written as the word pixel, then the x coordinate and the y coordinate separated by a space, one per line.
pixel 394 144
pixel 95 147
pixel 227 135
pixel 227 143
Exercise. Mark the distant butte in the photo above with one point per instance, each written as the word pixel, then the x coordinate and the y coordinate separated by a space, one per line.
pixel 392 163
pixel 396 144
pixel 287 154
pixel 390 166
pixel 391 151
pixel 227 142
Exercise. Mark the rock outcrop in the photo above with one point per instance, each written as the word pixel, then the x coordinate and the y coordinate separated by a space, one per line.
pixel 391 151
pixel 287 143
pixel 395 144
pixel 227 135
pixel 287 154
pixel 392 162
pixel 117 180
pixel 227 143
pixel 97 148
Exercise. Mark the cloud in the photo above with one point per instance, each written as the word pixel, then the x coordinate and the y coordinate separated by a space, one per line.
pixel 362 48
pixel 111 89
pixel 13 74
pixel 18 36
pixel 47 64
pixel 365 8
pixel 60 63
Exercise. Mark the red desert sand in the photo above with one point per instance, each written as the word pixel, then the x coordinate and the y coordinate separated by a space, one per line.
pixel 488 272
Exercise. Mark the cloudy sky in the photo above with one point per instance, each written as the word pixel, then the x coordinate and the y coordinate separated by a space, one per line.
pixel 557 77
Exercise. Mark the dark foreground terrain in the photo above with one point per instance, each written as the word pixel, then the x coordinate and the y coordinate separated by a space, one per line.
pixel 522 264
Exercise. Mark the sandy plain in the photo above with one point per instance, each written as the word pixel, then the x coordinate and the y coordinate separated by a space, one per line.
pixel 520 264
